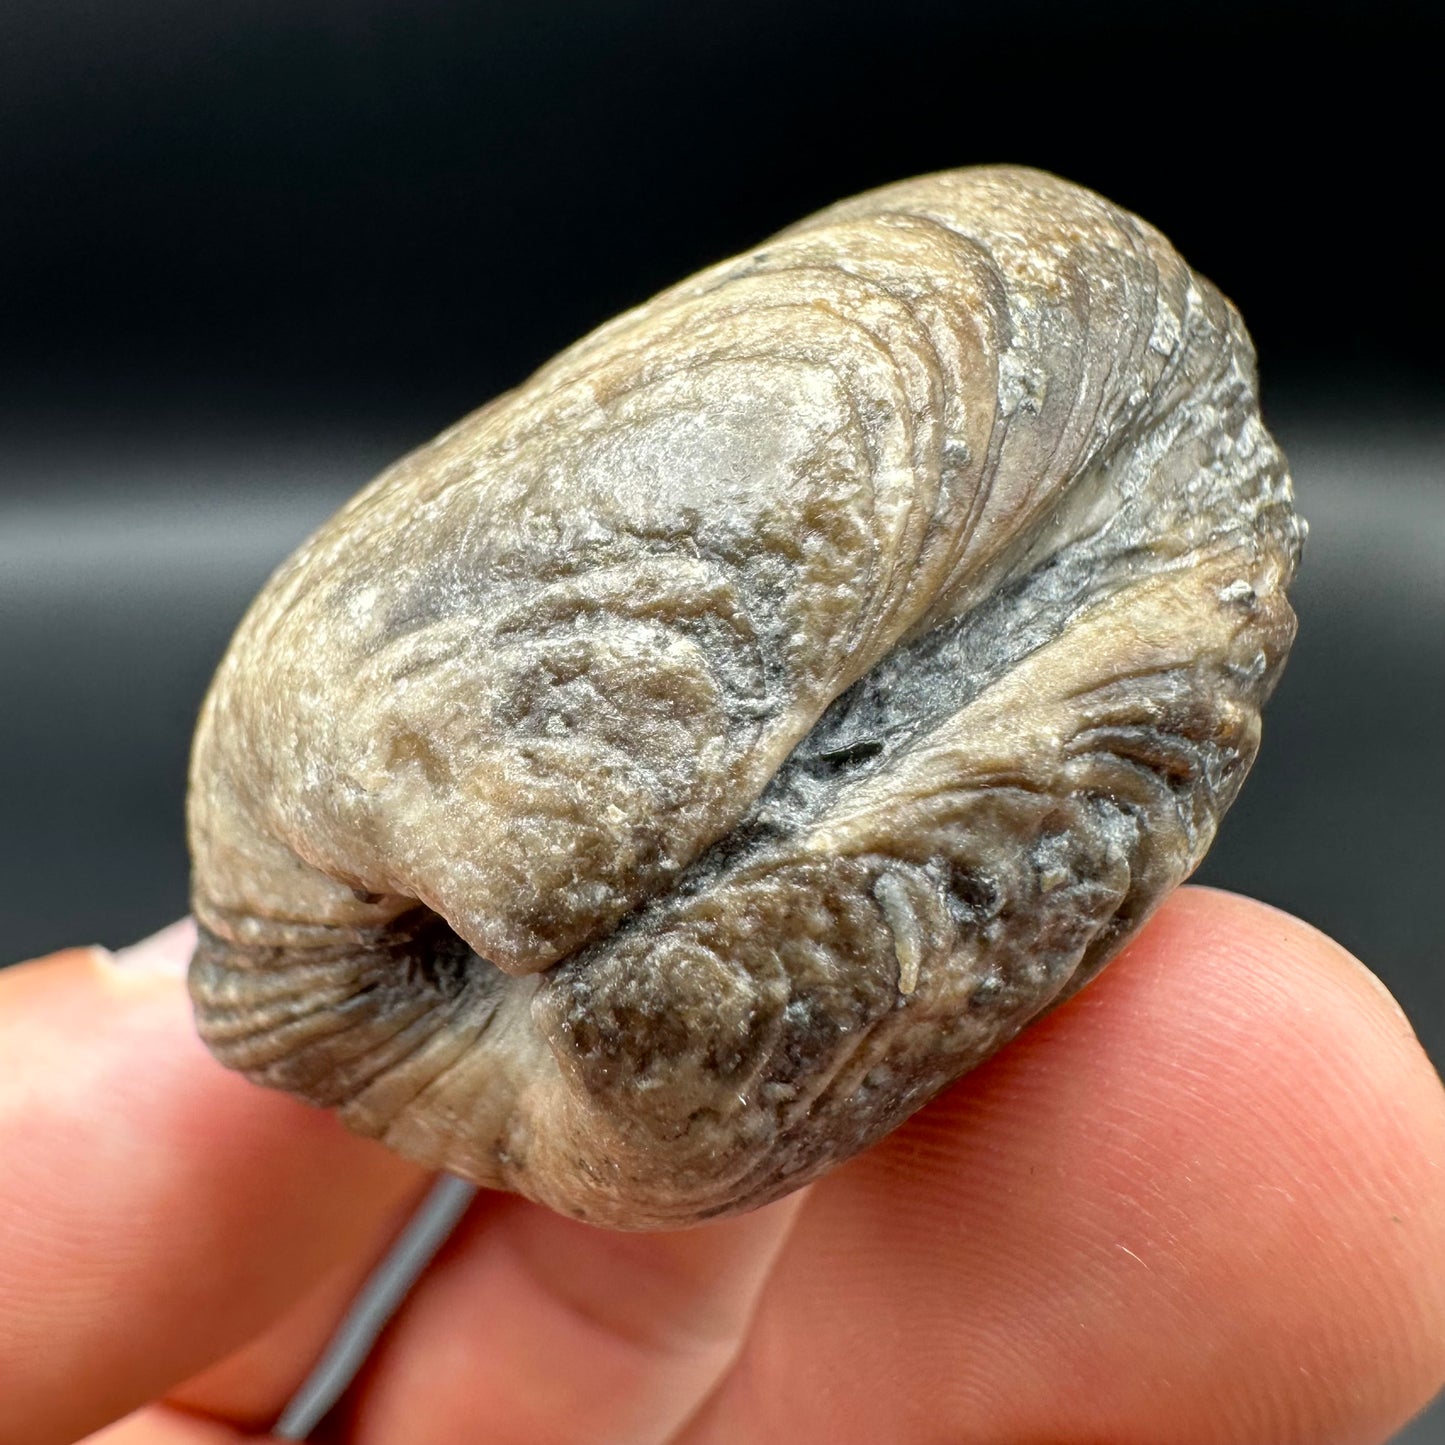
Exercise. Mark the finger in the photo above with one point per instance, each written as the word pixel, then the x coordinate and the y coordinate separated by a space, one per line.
pixel 1203 1202
pixel 245 1393
pixel 251 1387
pixel 158 1425
pixel 156 1212
pixel 539 1330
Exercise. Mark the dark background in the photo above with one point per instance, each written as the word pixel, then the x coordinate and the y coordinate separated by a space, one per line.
pixel 251 250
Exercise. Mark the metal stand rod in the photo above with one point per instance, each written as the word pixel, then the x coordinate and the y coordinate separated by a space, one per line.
pixel 376 1302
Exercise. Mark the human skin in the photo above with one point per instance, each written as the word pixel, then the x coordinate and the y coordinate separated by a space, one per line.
pixel 1204 1201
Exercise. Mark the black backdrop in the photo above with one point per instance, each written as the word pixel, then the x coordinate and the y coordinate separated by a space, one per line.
pixel 358 202
pixel 251 249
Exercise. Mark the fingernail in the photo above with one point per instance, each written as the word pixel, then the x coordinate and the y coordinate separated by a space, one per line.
pixel 167 953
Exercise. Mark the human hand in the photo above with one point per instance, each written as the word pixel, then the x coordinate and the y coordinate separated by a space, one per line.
pixel 1202 1202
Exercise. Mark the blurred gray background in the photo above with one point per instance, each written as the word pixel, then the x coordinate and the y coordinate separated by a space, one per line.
pixel 252 251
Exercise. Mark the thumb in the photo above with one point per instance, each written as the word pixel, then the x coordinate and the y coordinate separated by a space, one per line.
pixel 156 1212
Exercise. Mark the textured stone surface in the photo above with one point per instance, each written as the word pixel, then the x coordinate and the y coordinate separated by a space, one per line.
pixel 650 792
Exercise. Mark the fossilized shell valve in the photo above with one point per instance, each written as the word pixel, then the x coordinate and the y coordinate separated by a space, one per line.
pixel 653 790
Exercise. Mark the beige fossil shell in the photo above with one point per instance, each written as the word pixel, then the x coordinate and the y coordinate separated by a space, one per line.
pixel 653 790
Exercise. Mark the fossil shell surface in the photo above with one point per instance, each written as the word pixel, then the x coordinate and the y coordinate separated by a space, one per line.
pixel 653 790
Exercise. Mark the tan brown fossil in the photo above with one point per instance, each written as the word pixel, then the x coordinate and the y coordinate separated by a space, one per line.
pixel 654 789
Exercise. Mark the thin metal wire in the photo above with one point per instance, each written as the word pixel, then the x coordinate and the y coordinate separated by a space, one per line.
pixel 376 1302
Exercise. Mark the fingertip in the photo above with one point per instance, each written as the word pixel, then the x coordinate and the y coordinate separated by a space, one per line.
pixel 1201 919
pixel 1204 1201
pixel 1288 1089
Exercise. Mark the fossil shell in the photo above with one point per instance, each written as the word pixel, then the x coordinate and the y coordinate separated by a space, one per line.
pixel 654 789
